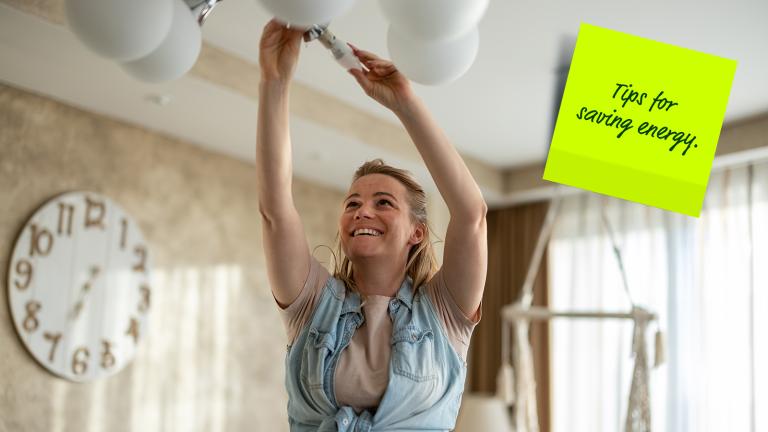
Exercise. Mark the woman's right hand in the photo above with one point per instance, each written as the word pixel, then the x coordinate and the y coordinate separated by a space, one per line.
pixel 279 51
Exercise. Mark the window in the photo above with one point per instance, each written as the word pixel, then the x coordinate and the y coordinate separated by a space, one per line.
pixel 706 278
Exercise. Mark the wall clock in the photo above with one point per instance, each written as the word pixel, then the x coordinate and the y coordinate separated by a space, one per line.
pixel 79 286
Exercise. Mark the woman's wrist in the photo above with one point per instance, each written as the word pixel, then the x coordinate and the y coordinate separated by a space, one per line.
pixel 407 106
pixel 274 86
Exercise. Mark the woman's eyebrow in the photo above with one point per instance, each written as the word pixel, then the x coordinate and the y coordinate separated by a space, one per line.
pixel 353 195
pixel 385 193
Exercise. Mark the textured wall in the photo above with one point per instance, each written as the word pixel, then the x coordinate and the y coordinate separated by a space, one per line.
pixel 213 358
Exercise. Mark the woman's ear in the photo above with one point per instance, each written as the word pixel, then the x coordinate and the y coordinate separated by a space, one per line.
pixel 417 236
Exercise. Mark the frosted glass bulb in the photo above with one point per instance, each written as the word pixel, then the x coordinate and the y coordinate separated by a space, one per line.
pixel 176 54
pixel 340 50
pixel 305 13
pixel 434 19
pixel 433 62
pixel 119 29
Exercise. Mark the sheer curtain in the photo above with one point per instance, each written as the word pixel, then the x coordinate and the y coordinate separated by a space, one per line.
pixel 707 279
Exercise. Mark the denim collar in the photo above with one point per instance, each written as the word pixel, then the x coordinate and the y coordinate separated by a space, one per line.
pixel 352 302
pixel 405 293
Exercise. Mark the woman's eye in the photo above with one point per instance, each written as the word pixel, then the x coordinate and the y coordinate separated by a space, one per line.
pixel 383 201
pixel 351 204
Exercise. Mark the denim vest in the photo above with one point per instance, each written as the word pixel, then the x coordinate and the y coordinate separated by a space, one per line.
pixel 426 375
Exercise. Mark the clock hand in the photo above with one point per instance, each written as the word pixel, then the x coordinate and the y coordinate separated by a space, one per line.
pixel 84 291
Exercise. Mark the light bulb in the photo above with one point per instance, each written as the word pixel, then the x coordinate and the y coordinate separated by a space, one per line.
pixel 342 53
pixel 305 13
pixel 176 54
pixel 434 19
pixel 119 29
pixel 432 62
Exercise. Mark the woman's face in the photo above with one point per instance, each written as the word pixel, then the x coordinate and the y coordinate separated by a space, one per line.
pixel 376 219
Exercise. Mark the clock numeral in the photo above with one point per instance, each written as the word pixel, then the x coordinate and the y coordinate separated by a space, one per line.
pixel 145 297
pixel 80 361
pixel 123 233
pixel 25 270
pixel 133 330
pixel 54 339
pixel 141 253
pixel 107 358
pixel 30 322
pixel 97 220
pixel 66 214
pixel 40 236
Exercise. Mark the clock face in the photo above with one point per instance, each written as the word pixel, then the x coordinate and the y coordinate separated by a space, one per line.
pixel 79 287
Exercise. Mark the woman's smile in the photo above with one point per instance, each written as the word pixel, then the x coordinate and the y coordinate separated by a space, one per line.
pixel 368 232
pixel 376 212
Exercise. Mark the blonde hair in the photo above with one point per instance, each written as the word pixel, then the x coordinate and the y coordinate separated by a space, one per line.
pixel 421 264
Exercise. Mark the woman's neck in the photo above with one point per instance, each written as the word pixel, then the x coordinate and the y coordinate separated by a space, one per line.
pixel 378 277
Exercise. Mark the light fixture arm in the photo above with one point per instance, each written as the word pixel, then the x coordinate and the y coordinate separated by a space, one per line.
pixel 314 32
pixel 201 8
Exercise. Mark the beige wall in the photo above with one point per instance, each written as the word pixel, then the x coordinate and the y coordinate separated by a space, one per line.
pixel 739 140
pixel 213 358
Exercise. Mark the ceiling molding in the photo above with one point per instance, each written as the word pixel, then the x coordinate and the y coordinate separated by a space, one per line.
pixel 740 142
pixel 743 135
pixel 49 10
pixel 229 71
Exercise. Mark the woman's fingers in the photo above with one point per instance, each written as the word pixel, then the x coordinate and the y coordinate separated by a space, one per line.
pixel 364 55
pixel 381 66
pixel 279 50
pixel 362 79
pixel 275 30
pixel 373 62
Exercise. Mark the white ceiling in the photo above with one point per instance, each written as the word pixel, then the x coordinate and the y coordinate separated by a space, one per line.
pixel 499 112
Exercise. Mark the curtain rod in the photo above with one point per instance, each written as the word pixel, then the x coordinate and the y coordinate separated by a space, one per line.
pixel 514 312
pixel 545 193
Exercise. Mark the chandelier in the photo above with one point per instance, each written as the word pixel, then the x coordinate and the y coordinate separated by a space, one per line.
pixel 431 41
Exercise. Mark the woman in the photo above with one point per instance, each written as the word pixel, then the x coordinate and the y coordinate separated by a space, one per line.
pixel 381 344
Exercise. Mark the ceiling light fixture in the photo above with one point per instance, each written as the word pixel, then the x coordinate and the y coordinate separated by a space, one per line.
pixel 433 62
pixel 154 40
pixel 176 54
pixel 109 27
pixel 434 19
pixel 306 13
pixel 432 41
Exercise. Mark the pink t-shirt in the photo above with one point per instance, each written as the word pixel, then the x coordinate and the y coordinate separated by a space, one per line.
pixel 364 365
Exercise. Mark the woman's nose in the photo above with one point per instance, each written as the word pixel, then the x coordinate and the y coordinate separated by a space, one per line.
pixel 363 212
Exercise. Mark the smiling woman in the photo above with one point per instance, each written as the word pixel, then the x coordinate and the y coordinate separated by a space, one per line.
pixel 381 344
pixel 398 202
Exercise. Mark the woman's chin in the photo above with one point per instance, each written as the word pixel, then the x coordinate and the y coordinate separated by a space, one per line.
pixel 363 247
pixel 356 253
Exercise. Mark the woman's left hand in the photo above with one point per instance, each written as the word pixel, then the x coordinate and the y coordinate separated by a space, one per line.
pixel 382 81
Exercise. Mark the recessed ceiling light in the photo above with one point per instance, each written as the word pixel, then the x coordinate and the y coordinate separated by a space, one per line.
pixel 159 99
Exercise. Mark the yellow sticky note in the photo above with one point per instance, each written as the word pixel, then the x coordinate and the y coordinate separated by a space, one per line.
pixel 640 120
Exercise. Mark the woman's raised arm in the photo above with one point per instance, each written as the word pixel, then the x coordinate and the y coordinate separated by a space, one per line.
pixel 465 256
pixel 284 240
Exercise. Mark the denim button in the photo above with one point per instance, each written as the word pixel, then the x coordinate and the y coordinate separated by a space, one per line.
pixel 345 422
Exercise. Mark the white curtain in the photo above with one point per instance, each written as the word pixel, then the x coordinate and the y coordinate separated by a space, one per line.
pixel 707 278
